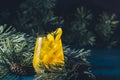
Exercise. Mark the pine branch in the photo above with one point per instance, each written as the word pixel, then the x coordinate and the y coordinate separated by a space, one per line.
pixel 15 53
pixel 105 29
pixel 35 15
pixel 10 76
pixel 106 25
pixel 76 67
pixel 5 31
pixel 79 28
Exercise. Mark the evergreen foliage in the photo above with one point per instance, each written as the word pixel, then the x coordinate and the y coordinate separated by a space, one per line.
pixel 86 30
pixel 78 28
pixel 16 51
pixel 105 29
pixel 35 15
pixel 10 77
pixel 76 67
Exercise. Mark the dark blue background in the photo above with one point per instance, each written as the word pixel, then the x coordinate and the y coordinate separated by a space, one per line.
pixel 105 64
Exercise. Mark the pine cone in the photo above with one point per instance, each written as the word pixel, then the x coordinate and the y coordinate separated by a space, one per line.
pixel 17 69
